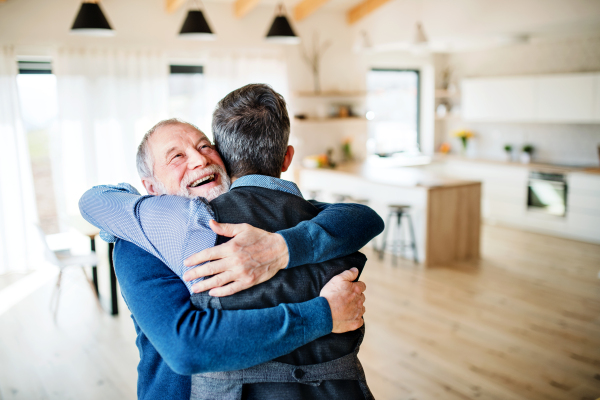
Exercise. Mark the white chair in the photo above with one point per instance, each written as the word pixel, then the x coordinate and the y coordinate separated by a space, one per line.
pixel 63 259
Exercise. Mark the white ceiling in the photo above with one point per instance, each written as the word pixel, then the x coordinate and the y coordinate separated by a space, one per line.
pixel 448 18
pixel 464 25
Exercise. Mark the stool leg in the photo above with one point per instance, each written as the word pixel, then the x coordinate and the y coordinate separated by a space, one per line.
pixel 397 239
pixel 413 241
pixel 385 233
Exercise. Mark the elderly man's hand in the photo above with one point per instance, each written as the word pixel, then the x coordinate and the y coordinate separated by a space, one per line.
pixel 346 300
pixel 251 257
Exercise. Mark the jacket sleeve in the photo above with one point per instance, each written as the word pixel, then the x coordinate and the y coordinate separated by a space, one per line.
pixel 194 341
pixel 338 230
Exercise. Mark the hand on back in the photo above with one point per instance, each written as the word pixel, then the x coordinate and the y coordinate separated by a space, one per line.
pixel 251 257
pixel 346 300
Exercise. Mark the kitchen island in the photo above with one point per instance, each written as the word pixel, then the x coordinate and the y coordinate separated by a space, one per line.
pixel 445 211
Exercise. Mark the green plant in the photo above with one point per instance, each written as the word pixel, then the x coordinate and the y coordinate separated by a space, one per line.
pixel 528 148
pixel 508 148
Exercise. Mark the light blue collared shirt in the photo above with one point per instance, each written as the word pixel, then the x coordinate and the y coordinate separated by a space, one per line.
pixel 121 212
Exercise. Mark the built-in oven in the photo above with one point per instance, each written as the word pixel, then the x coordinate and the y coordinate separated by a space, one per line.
pixel 547 193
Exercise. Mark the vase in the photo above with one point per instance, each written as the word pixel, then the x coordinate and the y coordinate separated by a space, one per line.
pixel 464 141
pixel 525 158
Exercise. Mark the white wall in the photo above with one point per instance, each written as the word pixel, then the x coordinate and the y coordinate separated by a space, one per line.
pixel 574 144
pixel 39 27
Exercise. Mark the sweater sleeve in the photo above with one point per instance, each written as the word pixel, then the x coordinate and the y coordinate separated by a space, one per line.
pixel 193 341
pixel 338 230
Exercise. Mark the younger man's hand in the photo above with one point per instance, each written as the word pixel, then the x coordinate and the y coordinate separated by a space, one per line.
pixel 251 257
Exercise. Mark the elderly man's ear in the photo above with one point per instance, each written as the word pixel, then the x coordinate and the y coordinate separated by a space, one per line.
pixel 287 160
pixel 149 185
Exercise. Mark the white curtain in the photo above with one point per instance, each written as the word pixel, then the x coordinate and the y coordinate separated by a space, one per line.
pixel 18 212
pixel 224 73
pixel 107 100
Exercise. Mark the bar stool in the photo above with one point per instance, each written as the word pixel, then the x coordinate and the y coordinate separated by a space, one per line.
pixel 313 194
pixel 398 244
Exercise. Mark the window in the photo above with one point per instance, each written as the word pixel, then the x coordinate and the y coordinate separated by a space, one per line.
pixel 39 110
pixel 393 104
pixel 187 96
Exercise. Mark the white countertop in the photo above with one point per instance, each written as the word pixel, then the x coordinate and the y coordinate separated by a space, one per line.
pixel 543 167
pixel 413 177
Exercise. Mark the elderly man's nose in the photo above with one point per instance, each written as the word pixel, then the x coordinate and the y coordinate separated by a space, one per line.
pixel 197 160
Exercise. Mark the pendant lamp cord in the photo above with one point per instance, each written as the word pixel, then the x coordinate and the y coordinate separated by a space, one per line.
pixel 199 4
pixel 280 10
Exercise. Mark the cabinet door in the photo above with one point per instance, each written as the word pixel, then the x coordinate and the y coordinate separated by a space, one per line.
pixel 566 98
pixel 596 111
pixel 499 99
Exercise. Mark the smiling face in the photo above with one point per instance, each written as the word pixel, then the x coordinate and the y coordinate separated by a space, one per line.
pixel 185 164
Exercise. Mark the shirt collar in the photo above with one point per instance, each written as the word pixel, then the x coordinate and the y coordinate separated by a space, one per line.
pixel 267 182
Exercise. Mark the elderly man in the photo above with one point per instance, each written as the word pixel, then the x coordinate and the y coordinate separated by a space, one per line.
pixel 183 162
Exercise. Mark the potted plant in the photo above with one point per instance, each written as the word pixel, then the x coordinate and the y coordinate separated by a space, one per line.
pixel 464 136
pixel 526 154
pixel 508 149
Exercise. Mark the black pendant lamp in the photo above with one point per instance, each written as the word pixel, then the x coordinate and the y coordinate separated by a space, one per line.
pixel 281 31
pixel 91 21
pixel 195 26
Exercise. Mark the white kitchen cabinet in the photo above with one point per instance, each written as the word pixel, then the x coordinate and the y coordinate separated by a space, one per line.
pixel 565 98
pixel 596 110
pixel 504 199
pixel 583 206
pixel 560 98
pixel 580 182
pixel 499 99
pixel 504 187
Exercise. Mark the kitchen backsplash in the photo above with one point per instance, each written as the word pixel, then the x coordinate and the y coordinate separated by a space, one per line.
pixel 575 144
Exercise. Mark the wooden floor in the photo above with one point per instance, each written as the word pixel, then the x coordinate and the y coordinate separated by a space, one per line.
pixel 522 323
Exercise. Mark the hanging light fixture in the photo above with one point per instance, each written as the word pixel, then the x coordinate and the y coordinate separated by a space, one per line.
pixel 91 21
pixel 195 26
pixel 281 31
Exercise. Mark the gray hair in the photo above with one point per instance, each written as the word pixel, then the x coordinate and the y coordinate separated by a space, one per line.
pixel 251 128
pixel 144 159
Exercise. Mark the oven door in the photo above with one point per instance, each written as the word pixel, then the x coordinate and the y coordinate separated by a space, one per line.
pixel 547 193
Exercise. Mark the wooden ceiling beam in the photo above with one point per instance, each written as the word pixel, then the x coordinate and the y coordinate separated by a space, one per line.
pixel 306 7
pixel 173 5
pixel 363 9
pixel 243 7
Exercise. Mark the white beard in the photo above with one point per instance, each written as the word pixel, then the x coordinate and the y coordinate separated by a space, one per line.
pixel 184 191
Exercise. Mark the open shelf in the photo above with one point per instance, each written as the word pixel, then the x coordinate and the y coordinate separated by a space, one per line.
pixel 448 118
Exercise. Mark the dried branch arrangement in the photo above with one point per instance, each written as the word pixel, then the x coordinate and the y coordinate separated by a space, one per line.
pixel 313 59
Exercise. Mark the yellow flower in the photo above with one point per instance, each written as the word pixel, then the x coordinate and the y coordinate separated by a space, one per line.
pixel 464 134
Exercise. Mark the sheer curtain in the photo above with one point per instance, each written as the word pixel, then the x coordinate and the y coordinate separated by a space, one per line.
pixel 18 212
pixel 107 100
